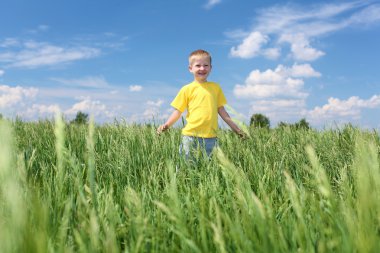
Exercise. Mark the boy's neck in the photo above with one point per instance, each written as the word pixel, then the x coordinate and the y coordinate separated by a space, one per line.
pixel 200 81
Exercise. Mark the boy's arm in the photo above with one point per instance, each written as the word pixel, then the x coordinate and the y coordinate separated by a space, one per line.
pixel 176 114
pixel 226 117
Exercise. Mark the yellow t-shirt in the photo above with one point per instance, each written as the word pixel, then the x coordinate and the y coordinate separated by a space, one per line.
pixel 202 101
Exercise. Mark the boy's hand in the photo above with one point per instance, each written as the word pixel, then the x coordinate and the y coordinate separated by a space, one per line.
pixel 242 135
pixel 162 128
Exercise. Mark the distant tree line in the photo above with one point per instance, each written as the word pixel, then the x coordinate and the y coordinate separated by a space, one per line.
pixel 261 121
pixel 258 120
pixel 81 118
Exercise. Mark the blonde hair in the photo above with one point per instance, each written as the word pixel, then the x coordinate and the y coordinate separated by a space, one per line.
pixel 199 53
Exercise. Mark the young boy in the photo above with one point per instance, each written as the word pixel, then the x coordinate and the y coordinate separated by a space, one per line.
pixel 203 101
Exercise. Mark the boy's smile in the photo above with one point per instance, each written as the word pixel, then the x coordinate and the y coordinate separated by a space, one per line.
pixel 201 68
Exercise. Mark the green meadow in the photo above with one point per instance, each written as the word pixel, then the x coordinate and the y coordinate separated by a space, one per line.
pixel 114 188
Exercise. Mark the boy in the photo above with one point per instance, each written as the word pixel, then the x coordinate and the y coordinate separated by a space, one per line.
pixel 203 101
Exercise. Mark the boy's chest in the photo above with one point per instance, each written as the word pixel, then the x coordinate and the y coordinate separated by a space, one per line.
pixel 202 95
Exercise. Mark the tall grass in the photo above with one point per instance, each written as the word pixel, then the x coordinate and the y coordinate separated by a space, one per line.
pixel 113 188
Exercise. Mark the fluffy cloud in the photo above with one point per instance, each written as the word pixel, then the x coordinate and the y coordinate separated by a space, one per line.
pixel 350 108
pixel 158 103
pixel 280 109
pixel 298 27
pixel 2 72
pixel 300 47
pixel 303 70
pixel 93 107
pixel 250 47
pixel 10 96
pixel 279 93
pixel 40 111
pixel 271 53
pixel 20 101
pixel 281 82
pixel 153 110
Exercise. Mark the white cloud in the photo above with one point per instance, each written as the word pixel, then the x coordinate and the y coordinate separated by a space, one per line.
pixel 157 103
pixel 88 82
pixel 135 88
pixel 10 96
pixel 153 110
pixel 34 54
pixel 281 82
pixel 300 47
pixel 280 109
pixel 250 47
pixel 368 15
pixel 93 107
pixel 104 104
pixel 40 111
pixel 304 70
pixel 9 42
pixel 2 72
pixel 272 53
pixel 212 3
pixel 300 26
pixel 350 108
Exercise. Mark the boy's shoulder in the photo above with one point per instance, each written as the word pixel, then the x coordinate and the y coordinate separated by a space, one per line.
pixel 188 85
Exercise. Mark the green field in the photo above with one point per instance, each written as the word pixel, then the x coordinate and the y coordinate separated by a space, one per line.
pixel 113 188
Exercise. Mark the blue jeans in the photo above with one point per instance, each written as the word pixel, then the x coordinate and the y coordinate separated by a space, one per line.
pixel 191 144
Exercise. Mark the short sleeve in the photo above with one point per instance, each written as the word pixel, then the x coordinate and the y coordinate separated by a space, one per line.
pixel 180 101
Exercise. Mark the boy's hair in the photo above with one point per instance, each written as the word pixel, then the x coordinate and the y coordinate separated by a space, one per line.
pixel 197 53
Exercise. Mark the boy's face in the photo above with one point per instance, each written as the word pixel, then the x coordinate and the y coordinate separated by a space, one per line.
pixel 201 68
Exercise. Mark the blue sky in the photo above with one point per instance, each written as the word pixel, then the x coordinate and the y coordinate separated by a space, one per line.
pixel 126 60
